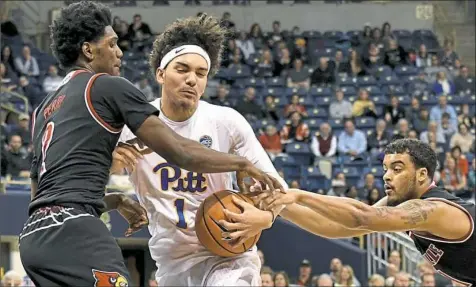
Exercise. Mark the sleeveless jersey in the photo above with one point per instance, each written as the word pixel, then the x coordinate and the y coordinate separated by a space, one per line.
pixel 75 130
pixel 172 195
pixel 455 259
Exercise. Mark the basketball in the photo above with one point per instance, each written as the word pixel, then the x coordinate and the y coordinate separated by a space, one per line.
pixel 207 225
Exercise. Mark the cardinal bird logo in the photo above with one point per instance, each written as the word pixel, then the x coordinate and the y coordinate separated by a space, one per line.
pixel 109 279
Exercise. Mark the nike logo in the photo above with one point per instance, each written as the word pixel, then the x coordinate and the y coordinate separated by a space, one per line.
pixel 178 50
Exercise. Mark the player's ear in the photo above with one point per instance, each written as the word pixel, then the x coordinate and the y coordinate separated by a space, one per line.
pixel 159 76
pixel 422 174
pixel 88 50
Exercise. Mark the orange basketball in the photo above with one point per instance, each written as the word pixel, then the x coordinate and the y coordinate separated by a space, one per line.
pixel 208 228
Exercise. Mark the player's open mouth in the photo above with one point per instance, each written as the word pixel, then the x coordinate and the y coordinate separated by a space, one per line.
pixel 388 189
pixel 188 93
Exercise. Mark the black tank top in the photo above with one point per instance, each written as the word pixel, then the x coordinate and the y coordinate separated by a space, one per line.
pixel 455 259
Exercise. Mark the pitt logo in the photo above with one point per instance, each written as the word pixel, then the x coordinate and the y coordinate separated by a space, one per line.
pixel 433 254
pixel 109 279
pixel 171 177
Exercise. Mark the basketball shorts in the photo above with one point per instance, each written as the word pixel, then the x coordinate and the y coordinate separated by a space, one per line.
pixel 66 246
pixel 243 270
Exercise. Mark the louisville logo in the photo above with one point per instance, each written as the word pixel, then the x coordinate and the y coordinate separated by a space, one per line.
pixel 109 279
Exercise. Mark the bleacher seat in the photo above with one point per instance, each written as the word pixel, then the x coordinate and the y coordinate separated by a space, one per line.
pixel 389 80
pixel 336 123
pixel 317 113
pixel 377 171
pixel 235 73
pixel 366 81
pixel 313 124
pixel 373 90
pixel 365 122
pixel 289 166
pixel 349 91
pixel 311 34
pixel 323 102
pixel 347 81
pixel 274 91
pixel 405 70
pixel 300 152
pixel 275 82
pixel 301 92
pixel 320 92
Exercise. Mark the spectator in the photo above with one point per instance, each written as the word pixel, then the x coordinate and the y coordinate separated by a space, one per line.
pixel 446 128
pixel 281 279
pixel 465 117
pixel 434 69
pixel 270 109
pixel 355 65
pixel 323 75
pixel 435 133
pixel 351 141
pixel 298 77
pixel 53 80
pixel 402 279
pixel 335 267
pixel 7 59
pixel 346 277
pixel 116 23
pixel 338 65
pixel 256 35
pixel 373 59
pixel 11 279
pixel 421 123
pixel 294 106
pixel 275 36
pixel 448 56
pixel 395 259
pixel 23 129
pixel 8 79
pixel 373 197
pixel 340 108
pixel 246 45
pixel 138 30
pixel 146 89
pixel 452 178
pixel 305 273
pixel 363 106
pixel 283 63
pixel 376 280
pixel 442 86
pixel 412 134
pixel 324 143
pixel 460 160
pixel 463 82
pixel 427 280
pixel 227 22
pixel 395 55
pixel 378 139
pixel 387 33
pixel 366 36
pixel 294 184
pixel 423 59
pixel 271 142
pixel 369 185
pixel 463 139
pixel 124 38
pixel 261 257
pixel 413 112
pixel 249 107
pixel 324 280
pixel 420 85
pixel 338 188
pixel 295 130
pixel 31 91
pixel 377 38
pixel 267 279
pixel 18 159
pixel 26 64
pixel 265 67
pixel 394 112
pixel 300 50
pixel 222 97
pixel 437 112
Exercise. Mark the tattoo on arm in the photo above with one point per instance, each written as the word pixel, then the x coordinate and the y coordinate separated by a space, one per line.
pixel 417 211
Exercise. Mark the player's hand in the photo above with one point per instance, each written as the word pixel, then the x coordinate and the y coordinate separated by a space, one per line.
pixel 253 172
pixel 124 157
pixel 134 213
pixel 242 226
pixel 271 200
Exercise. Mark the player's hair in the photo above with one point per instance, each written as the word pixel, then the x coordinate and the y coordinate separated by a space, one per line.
pixel 420 153
pixel 204 31
pixel 79 22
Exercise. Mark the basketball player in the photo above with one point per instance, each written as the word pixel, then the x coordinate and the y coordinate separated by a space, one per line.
pixel 183 56
pixel 76 128
pixel 440 224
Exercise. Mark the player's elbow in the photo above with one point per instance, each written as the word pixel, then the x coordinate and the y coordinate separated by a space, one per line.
pixel 361 218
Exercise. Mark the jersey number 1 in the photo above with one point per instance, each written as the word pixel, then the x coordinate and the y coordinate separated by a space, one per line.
pixel 45 144
pixel 179 206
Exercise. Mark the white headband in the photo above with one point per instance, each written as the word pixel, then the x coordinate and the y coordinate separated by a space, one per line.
pixel 185 49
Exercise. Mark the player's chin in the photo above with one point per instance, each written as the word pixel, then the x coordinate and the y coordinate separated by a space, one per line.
pixel 116 71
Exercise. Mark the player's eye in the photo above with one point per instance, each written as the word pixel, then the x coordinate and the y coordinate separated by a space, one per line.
pixel 113 280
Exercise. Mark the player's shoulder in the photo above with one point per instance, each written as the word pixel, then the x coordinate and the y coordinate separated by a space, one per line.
pixel 113 82
pixel 220 113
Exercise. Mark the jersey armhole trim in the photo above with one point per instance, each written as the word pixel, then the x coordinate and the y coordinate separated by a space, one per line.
pixel 92 111
pixel 33 120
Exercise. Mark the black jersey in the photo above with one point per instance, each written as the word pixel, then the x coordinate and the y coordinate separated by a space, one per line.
pixel 75 131
pixel 455 259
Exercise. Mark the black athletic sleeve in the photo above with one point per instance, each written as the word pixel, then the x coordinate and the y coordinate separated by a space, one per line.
pixel 117 102
pixel 34 168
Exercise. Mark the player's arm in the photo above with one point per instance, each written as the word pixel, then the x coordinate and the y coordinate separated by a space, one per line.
pixel 34 188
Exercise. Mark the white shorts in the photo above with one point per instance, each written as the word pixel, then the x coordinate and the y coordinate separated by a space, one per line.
pixel 243 270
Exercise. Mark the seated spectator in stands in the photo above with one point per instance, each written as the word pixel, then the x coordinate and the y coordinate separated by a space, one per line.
pixel 387 33
pixel 138 30
pixel 265 67
pixel 300 50
pixel 281 279
pixel 419 86
pixel 226 21
pixel 324 143
pixel 425 267
pixel 452 177
pixel 295 106
pixel 32 92
pixel 435 67
pixel 446 128
pixel 124 38
pixel 448 56
pixel 346 277
pixel 434 132
pixel 377 38
pixel 338 188
pixel 396 260
pixel 275 36
pixel 378 139
pixel 305 274
pixel 412 134
pixel 11 279
pixel 355 66
pixel 442 86
pixel 231 55
pixel 395 55
pixel 465 117
pixel 366 36
pixel 245 44
pixel 428 280
pixel 369 185
pixel 271 142
pixel 324 280
pixel 423 58
pixel 267 278
pixel 464 82
pixel 373 58
pixel 298 77
pixel 413 111
pixel 18 159
pixel 420 124
pixel 402 279
pixel 295 130
pixel 256 35
pixel 323 75
pixel 403 128
pixel 373 197
pixel 436 113
pixel 462 139
pixel 460 160
pixel 249 106
pixel 53 80
pixel 23 129
pixel 394 112
pixel 116 23
pixel 338 64
pixel 221 98
pixel 283 62
pixel 146 89
pixel 26 64
pixel 340 108
pixel 363 106
pixel 351 141
pixel 8 79
pixel 7 59
pixel 376 280
pixel 270 109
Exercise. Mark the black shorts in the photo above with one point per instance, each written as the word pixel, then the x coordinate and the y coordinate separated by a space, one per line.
pixel 65 246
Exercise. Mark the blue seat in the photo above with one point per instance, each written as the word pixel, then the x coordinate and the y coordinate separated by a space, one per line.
pixel 405 70
pixel 222 74
pixel 282 161
pixel 275 82
pixel 333 34
pixel 336 124
pixel 428 100
pixel 393 89
pixel 280 102
pixel 349 91
pixel 277 92
pixel 255 82
pixel 311 34
pixel 372 90
pixel 320 92
pixel 402 33
pixel 314 124
pixel 366 81
pixel 317 113
pixel 347 81
pixel 354 33
pixel 292 91
pixel 348 171
pixel 239 72
pixel 382 71
pixel 377 171
pixel 389 80
pixel 300 152
pixel 323 102
pixel 405 100
pixel 365 123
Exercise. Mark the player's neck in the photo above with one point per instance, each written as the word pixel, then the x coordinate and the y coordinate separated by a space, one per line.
pixel 176 113
pixel 424 188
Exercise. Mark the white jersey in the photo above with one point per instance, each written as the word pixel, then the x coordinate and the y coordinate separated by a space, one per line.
pixel 172 195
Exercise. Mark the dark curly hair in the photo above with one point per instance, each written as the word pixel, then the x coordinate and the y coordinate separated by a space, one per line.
pixel 80 22
pixel 420 153
pixel 204 31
